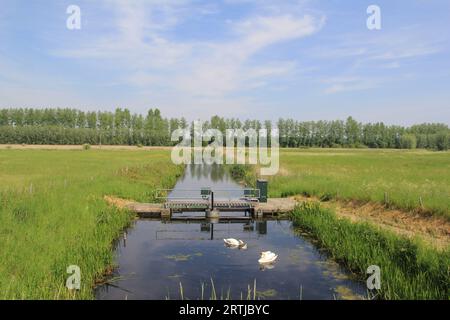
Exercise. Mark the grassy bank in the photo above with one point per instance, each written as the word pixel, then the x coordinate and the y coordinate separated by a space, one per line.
pixel 410 180
pixel 409 270
pixel 244 174
pixel 52 214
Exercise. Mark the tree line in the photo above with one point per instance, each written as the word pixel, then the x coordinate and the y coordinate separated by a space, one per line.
pixel 121 127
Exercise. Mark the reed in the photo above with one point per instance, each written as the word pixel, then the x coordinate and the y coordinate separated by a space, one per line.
pixel 409 269
pixel 252 293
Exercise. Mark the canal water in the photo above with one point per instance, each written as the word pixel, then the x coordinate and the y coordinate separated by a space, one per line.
pixel 174 260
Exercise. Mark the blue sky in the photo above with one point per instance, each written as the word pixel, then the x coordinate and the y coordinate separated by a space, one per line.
pixel 263 59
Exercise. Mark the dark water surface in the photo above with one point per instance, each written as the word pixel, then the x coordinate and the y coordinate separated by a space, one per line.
pixel 158 258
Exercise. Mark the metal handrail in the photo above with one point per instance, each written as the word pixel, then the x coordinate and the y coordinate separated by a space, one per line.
pixel 254 193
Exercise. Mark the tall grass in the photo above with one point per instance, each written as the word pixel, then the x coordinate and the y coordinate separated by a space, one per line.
pixel 409 270
pixel 410 180
pixel 53 215
pixel 250 294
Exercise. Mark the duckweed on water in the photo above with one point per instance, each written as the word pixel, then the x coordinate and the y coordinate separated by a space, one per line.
pixel 346 293
pixel 183 257
pixel 269 293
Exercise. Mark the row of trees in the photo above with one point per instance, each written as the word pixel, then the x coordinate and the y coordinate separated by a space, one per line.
pixel 351 133
pixel 71 126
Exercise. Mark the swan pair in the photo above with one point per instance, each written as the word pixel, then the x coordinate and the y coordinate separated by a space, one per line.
pixel 267 257
pixel 234 243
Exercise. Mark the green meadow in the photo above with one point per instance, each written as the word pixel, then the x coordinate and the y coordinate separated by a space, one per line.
pixel 410 180
pixel 53 215
pixel 417 181
pixel 413 181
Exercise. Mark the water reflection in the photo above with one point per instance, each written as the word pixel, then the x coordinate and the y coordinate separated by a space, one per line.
pixel 261 228
pixel 157 257
pixel 210 173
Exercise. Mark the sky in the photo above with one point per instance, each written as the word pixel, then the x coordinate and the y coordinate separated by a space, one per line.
pixel 258 59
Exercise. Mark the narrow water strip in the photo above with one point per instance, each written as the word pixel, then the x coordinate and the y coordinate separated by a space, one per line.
pixel 188 259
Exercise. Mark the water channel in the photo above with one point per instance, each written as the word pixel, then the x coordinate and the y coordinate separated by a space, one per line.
pixel 173 260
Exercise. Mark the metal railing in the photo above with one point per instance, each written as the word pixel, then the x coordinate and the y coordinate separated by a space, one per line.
pixel 247 194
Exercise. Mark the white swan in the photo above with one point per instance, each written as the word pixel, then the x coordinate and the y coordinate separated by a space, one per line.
pixel 267 257
pixel 231 242
pixel 234 243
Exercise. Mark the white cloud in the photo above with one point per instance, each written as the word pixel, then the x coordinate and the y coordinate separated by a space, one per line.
pixel 136 41
pixel 348 84
pixel 260 32
pixel 369 62
pixel 345 87
pixel 398 44
pixel 149 57
pixel 224 68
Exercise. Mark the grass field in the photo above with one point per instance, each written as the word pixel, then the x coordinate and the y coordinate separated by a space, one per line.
pixel 411 180
pixel 417 181
pixel 52 214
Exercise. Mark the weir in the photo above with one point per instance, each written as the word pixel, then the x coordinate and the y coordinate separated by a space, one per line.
pixel 214 204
